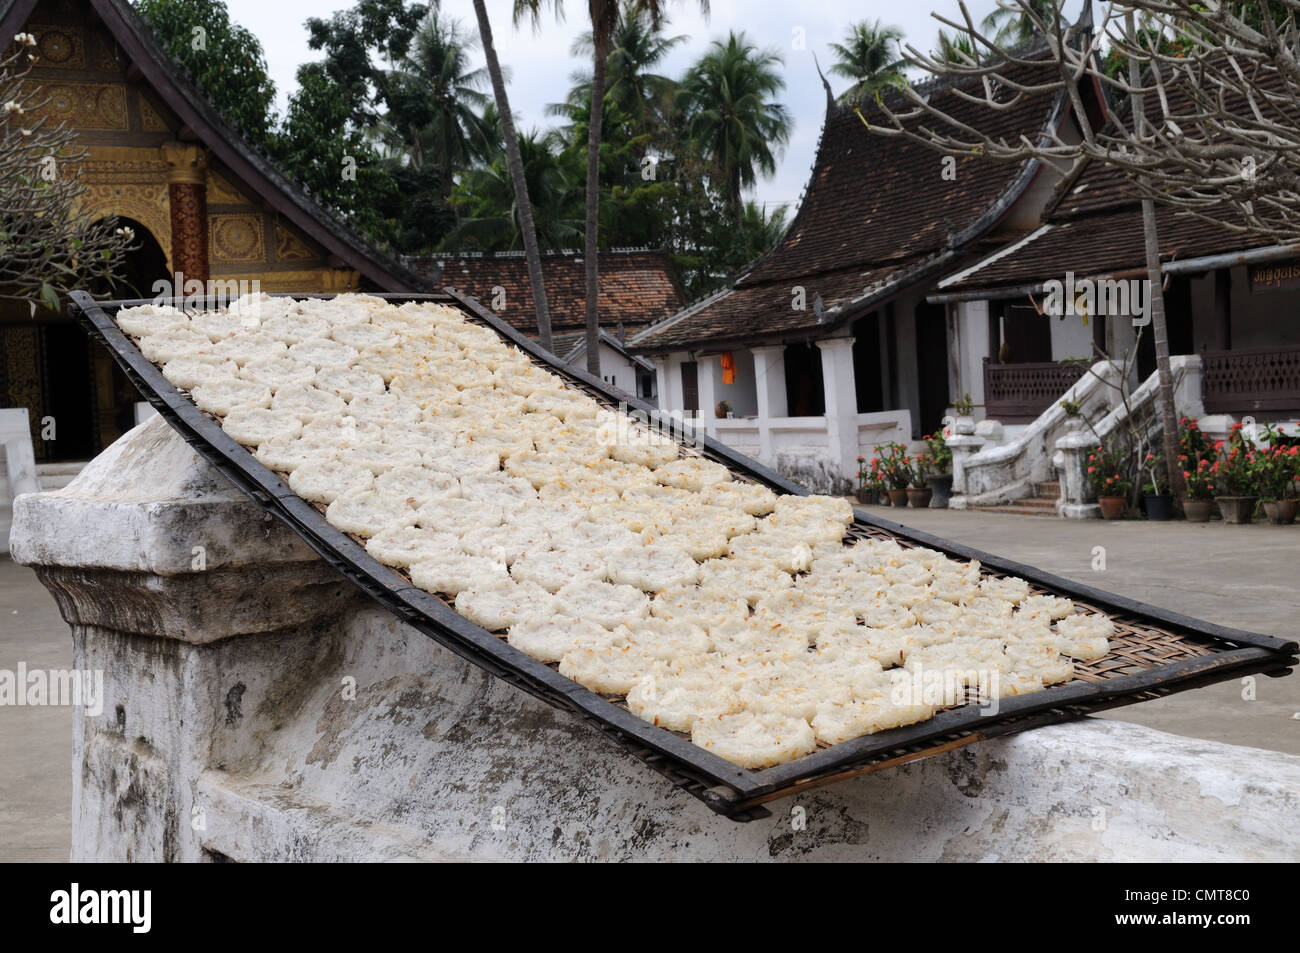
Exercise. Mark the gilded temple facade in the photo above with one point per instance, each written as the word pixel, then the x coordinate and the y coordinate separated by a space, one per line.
pixel 202 202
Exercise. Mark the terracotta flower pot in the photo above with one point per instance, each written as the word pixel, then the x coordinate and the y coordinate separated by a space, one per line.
pixel 1112 507
pixel 866 496
pixel 897 497
pixel 1198 511
pixel 1236 509
pixel 1280 512
pixel 919 497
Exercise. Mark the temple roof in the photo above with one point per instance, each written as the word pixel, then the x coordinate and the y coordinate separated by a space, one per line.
pixel 877 218
pixel 637 286
pixel 204 123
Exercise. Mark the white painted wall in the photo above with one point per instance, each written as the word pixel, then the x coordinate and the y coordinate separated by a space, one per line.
pixel 971 344
pixel 742 394
pixel 1071 337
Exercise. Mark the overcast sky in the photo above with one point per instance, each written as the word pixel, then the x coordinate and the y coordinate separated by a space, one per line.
pixel 540 63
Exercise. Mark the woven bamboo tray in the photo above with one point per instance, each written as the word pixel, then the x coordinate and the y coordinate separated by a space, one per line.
pixel 1154 653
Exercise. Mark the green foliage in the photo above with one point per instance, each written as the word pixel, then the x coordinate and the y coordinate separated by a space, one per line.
pixel 224 59
pixel 320 148
pixel 871 58
pixel 394 127
pixel 730 117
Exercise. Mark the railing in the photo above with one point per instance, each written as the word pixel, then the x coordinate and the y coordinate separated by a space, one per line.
pixel 1258 379
pixel 1024 391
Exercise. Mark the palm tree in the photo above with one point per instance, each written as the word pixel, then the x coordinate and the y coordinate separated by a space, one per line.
pixel 604 16
pixel 637 46
pixel 515 162
pixel 1013 27
pixel 730 117
pixel 485 196
pixel 869 56
pixel 434 97
pixel 956 48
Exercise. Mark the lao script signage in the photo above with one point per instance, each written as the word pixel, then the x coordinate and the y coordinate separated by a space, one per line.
pixel 1274 276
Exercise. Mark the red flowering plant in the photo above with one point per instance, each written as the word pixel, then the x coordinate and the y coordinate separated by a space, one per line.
pixel 870 476
pixel 1194 445
pixel 896 466
pixel 1200 481
pixel 1108 469
pixel 1234 473
pixel 939 457
pixel 1275 467
pixel 922 467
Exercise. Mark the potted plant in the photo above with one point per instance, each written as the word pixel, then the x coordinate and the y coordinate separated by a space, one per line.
pixel 1108 470
pixel 1157 500
pixel 1234 477
pixel 1197 456
pixel 1199 504
pixel 919 493
pixel 1276 468
pixel 724 410
pixel 1073 415
pixel 870 483
pixel 936 448
pixel 964 410
pixel 897 470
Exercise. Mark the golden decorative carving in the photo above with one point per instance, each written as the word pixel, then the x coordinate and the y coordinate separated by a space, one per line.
pixel 150 119
pixel 329 280
pixel 118 164
pixel 186 164
pixel 236 238
pixel 84 105
pixel 289 247
pixel 339 279
pixel 58 46
pixel 221 192
pixel 146 203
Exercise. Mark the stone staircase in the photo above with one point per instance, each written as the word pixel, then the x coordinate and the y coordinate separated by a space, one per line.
pixel 1042 503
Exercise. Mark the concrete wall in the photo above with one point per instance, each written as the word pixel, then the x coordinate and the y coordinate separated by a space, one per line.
pixel 260 709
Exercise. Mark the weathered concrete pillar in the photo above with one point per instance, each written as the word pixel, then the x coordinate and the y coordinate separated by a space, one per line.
pixel 769 385
pixel 184 594
pixel 841 406
pixel 661 382
pixel 963 447
pixel 706 369
pixel 19 465
pixel 257 709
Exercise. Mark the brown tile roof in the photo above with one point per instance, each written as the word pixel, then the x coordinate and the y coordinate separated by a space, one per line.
pixel 1095 230
pixel 637 286
pixel 875 212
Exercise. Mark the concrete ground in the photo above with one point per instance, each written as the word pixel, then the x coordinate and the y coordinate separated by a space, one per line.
pixel 1240 576
pixel 35 743
pixel 1234 575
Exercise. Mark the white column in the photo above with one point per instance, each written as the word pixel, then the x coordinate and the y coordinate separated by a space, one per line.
pixel 841 403
pixel 661 383
pixel 670 386
pixel 706 370
pixel 769 384
pixel 19 462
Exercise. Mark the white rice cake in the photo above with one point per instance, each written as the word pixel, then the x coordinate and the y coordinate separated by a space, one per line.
pixel 754 740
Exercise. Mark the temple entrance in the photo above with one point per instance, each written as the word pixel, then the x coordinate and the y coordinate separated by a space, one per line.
pixel 77 399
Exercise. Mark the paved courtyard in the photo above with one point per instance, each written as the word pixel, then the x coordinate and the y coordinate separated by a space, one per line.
pixel 1238 576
